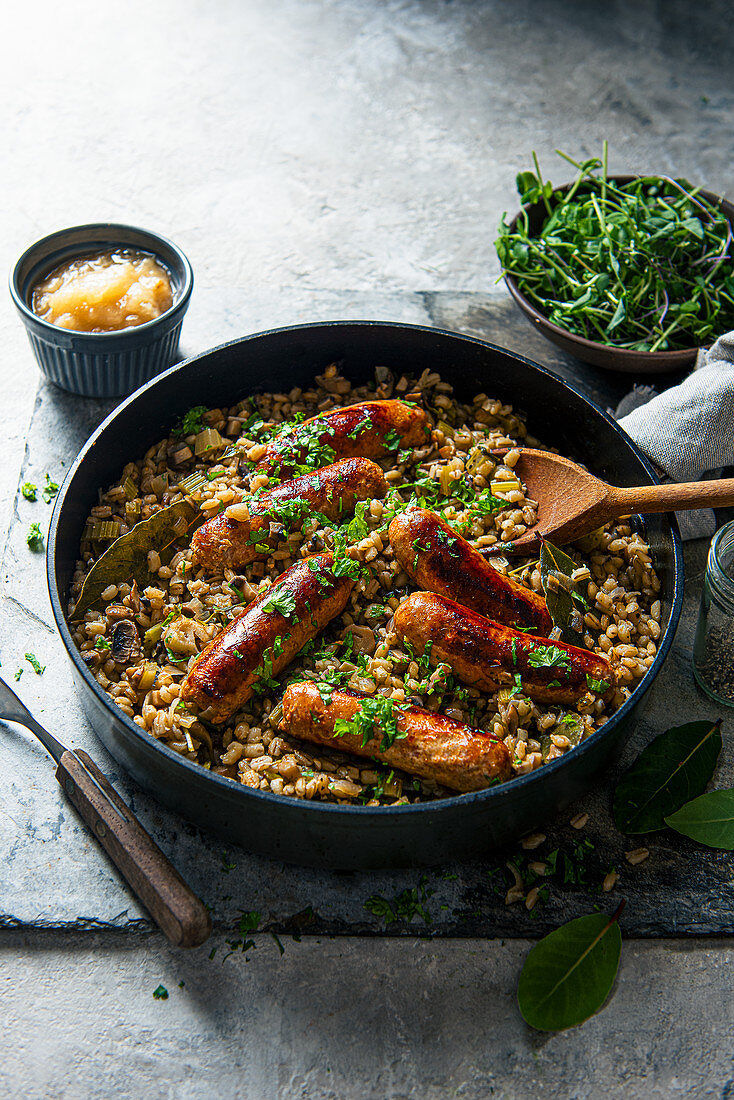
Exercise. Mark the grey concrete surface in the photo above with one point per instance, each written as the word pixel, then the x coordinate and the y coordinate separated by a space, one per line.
pixel 301 151
pixel 344 1020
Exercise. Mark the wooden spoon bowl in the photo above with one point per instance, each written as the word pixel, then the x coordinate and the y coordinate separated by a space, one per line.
pixel 572 502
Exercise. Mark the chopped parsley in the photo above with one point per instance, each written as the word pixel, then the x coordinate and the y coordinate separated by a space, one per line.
pixel 35 664
pixel 281 600
pixel 191 422
pixel 377 711
pixel 34 538
pixel 548 656
pixel 102 643
pixel 29 490
pixel 599 686
pixel 161 993
pixel 49 490
pixel 18 674
pixel 406 905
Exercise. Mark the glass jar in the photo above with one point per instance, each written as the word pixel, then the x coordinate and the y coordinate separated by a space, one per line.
pixel 713 648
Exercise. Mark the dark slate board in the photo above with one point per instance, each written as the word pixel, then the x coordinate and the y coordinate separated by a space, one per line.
pixel 680 889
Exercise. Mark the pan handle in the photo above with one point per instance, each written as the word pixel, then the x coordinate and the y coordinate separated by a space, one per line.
pixel 175 908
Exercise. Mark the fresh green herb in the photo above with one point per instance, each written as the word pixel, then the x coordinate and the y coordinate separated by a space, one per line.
pixel 29 490
pixel 358 528
pixel 35 664
pixel 708 819
pixel 645 265
pixel 406 905
pixel 548 656
pixel 569 974
pixel 239 596
pixel 517 689
pixel 281 600
pixel 248 922
pixel 227 865
pixel 34 538
pixel 50 490
pixel 18 674
pixel 376 713
pixel 102 643
pixel 161 993
pixel 674 768
pixel 191 422
pixel 392 440
pixel 599 686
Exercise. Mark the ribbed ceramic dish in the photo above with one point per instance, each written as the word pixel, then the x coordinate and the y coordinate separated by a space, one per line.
pixel 106 364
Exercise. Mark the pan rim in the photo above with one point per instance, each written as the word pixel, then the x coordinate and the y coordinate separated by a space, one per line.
pixel 372 814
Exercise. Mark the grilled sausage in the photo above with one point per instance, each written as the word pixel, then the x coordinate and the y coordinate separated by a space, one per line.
pixel 487 655
pixel 430 745
pixel 334 491
pixel 439 560
pixel 372 429
pixel 266 637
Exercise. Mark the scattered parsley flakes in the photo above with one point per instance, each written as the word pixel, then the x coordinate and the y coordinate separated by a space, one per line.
pixel 34 538
pixel 281 600
pixel 35 664
pixel 102 643
pixel 161 993
pixel 226 865
pixel 49 490
pixel 377 711
pixel 548 656
pixel 599 686
pixel 29 490
pixel 191 422
pixel 18 674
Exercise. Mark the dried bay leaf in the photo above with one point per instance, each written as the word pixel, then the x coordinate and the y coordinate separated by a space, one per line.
pixel 569 974
pixel 561 597
pixel 673 769
pixel 126 560
pixel 708 819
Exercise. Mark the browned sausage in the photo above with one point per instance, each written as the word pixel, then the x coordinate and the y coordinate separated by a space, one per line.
pixel 430 745
pixel 487 655
pixel 372 429
pixel 333 491
pixel 260 642
pixel 439 560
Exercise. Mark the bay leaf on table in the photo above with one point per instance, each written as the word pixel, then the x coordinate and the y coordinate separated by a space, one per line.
pixel 673 769
pixel 569 974
pixel 708 819
pixel 126 559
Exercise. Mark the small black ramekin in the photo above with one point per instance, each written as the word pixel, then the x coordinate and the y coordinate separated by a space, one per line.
pixel 101 364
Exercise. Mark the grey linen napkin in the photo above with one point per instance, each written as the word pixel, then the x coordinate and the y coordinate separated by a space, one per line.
pixel 688 431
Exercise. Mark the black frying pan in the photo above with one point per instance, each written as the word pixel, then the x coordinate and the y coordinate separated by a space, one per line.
pixel 321 834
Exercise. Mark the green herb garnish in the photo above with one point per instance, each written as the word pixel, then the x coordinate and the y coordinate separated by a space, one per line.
pixel 35 664
pixel 49 490
pixel 377 714
pixel 161 993
pixel 191 422
pixel 34 538
pixel 548 656
pixel 29 490
pixel 281 600
pixel 645 265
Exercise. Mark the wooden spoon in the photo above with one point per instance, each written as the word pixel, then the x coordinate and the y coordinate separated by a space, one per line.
pixel 572 502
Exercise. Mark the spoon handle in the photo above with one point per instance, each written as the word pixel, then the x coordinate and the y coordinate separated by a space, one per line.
pixel 671 498
pixel 176 909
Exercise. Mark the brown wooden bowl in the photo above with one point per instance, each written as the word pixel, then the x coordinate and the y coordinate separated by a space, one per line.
pixel 591 351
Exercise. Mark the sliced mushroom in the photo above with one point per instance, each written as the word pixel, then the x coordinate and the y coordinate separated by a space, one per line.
pixel 363 638
pixel 125 643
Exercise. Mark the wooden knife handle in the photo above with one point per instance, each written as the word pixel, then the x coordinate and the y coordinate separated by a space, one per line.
pixel 175 908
